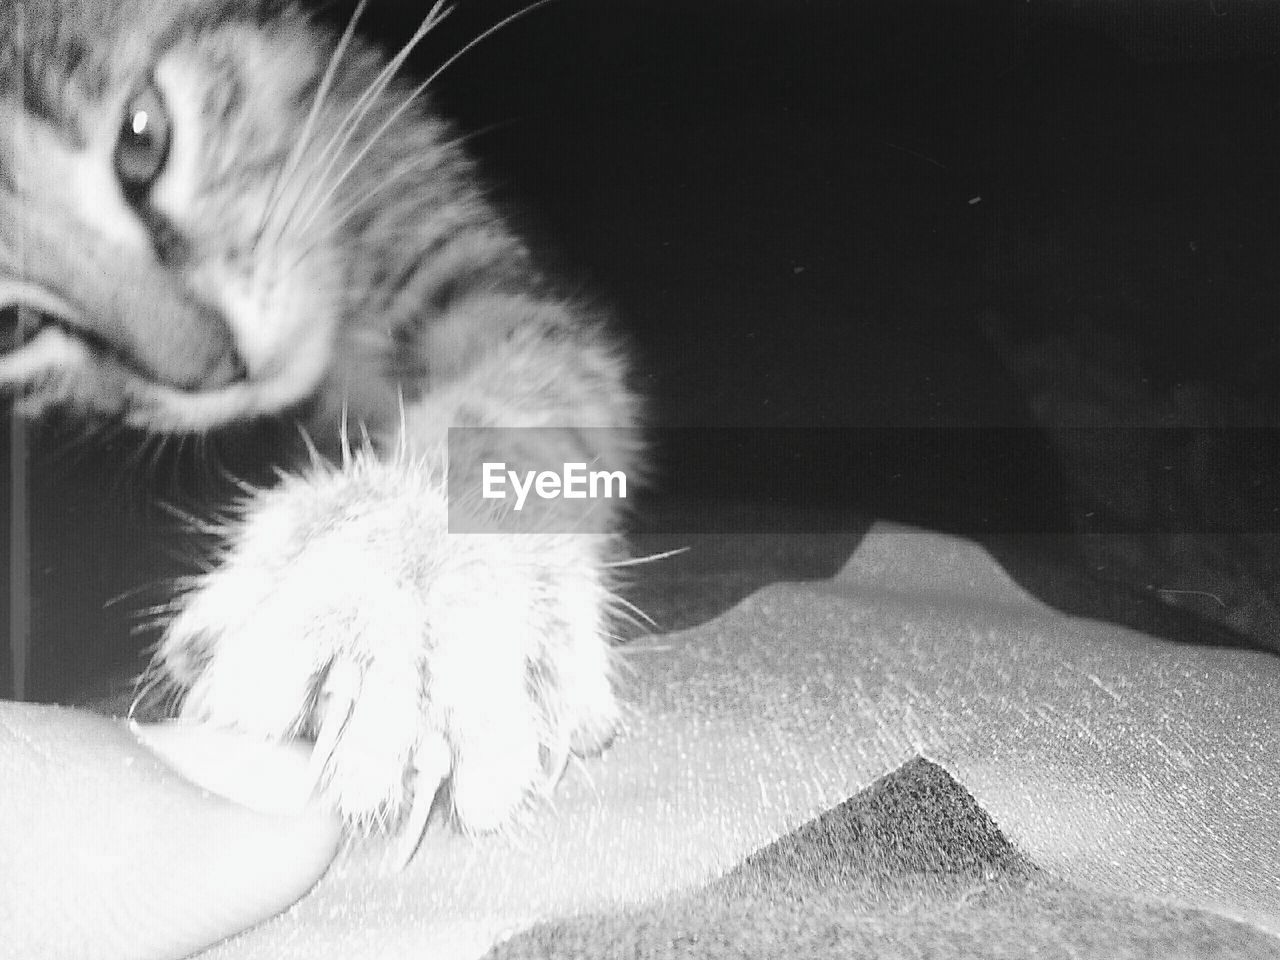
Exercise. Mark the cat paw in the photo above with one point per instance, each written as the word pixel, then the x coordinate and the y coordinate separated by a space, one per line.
pixel 343 611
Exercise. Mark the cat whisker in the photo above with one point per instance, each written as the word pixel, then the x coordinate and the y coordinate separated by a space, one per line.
pixel 206 459
pixel 650 558
pixel 409 100
pixel 313 452
pixel 175 476
pixel 156 458
pixel 144 687
pixel 135 460
pixel 332 151
pixel 286 172
pixel 627 611
pixel 74 446
pixel 344 438
pixel 484 35
pixel 190 523
pixel 365 200
pixel 402 453
pixel 133 593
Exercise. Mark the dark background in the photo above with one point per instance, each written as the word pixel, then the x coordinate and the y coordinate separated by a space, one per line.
pixel 977 252
pixel 879 216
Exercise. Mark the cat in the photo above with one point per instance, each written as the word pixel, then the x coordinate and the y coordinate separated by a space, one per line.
pixel 223 210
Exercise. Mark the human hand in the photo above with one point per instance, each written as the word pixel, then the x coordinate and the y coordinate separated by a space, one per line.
pixel 147 841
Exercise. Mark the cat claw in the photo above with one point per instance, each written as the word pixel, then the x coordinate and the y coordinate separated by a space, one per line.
pixel 432 761
pixel 337 710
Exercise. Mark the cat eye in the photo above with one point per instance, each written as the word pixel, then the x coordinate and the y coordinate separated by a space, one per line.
pixel 142 146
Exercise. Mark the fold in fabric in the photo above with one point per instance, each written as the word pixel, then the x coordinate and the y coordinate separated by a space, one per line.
pixel 911 867
pixel 1115 763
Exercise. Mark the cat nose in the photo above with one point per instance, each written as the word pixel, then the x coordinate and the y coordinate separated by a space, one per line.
pixel 193 350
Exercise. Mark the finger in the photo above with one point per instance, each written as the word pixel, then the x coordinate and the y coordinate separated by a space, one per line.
pixel 109 852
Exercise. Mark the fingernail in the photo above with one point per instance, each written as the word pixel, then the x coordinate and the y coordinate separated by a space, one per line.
pixel 261 775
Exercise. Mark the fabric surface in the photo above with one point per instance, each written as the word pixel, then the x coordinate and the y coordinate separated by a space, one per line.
pixel 911 866
pixel 913 758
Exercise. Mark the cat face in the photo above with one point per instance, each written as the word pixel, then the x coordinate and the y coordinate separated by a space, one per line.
pixel 187 207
